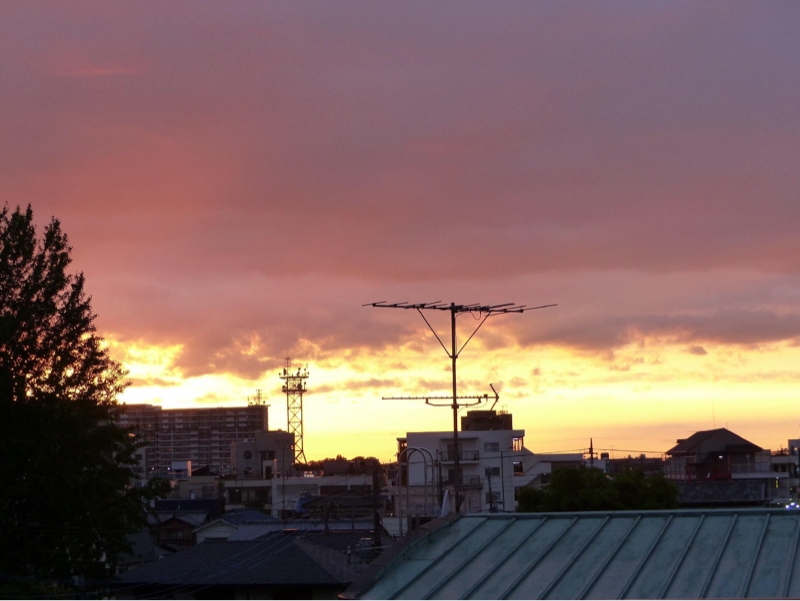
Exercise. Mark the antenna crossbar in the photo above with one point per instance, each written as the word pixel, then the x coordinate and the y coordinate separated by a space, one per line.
pixel 455 310
pixel 452 307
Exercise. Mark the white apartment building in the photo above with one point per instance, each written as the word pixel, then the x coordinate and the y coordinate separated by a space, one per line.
pixel 489 459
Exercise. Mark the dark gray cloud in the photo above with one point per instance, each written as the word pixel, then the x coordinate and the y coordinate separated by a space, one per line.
pixel 729 326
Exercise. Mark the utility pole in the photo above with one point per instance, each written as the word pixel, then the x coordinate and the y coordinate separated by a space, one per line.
pixel 503 483
pixel 484 312
pixel 491 496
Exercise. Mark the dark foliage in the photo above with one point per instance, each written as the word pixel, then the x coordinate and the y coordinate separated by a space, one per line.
pixel 66 500
pixel 589 489
pixel 340 465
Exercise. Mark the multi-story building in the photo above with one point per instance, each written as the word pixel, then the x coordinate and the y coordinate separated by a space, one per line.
pixel 268 455
pixel 202 436
pixel 490 454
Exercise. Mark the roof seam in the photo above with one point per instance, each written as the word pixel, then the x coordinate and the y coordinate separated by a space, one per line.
pixel 752 568
pixel 792 557
pixel 434 562
pixel 506 555
pixel 717 559
pixel 538 558
pixel 638 569
pixel 573 559
pixel 678 563
pixel 608 559
pixel 472 556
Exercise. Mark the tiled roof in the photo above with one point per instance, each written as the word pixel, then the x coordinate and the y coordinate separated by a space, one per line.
pixel 724 439
pixel 279 559
pixel 609 555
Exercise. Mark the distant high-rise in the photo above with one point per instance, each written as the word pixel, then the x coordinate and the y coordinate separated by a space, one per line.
pixel 202 435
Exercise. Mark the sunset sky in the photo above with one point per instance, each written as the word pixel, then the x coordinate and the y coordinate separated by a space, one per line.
pixel 238 178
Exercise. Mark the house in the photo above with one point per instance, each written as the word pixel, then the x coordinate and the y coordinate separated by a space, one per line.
pixel 174 530
pixel 718 467
pixel 685 554
pixel 715 455
pixel 229 524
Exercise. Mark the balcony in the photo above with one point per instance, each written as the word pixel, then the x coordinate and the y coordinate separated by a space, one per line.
pixel 463 456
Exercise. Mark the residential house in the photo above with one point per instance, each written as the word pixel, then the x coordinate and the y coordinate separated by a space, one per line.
pixel 720 468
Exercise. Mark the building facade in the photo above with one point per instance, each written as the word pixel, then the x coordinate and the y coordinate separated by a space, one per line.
pixel 202 436
pixel 265 456
pixel 488 462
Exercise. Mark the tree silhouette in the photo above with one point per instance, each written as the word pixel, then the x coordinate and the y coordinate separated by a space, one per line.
pixel 66 495
pixel 589 489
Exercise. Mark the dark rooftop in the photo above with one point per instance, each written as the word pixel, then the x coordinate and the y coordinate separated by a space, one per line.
pixel 278 559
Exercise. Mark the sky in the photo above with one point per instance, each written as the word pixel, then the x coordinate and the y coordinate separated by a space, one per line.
pixel 238 178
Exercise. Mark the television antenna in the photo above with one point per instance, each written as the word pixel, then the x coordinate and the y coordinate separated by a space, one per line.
pixel 484 312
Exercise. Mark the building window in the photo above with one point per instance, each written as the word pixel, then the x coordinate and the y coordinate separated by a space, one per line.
pixel 493 471
pixel 491 447
pixel 493 497
pixel 518 470
pixel 516 444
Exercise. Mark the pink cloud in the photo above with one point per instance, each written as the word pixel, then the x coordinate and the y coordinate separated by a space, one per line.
pixel 101 71
pixel 258 170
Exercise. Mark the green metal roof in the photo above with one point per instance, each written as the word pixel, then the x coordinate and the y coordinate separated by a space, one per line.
pixel 688 554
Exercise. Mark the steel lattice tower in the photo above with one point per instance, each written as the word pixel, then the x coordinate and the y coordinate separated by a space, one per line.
pixel 294 385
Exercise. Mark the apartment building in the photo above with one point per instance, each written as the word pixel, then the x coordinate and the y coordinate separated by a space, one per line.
pixel 202 436
pixel 490 454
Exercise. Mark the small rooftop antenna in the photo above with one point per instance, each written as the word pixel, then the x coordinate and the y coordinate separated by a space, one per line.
pixel 484 311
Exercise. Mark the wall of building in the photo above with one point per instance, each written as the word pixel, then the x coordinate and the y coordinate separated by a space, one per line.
pixel 487 459
pixel 202 436
pixel 267 455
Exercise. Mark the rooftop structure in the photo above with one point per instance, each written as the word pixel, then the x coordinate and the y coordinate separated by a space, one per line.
pixel 486 420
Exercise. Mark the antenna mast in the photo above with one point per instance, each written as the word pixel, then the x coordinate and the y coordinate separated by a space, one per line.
pixel 294 385
pixel 484 311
